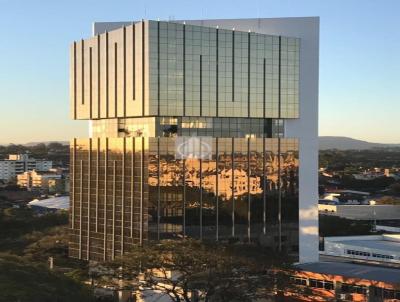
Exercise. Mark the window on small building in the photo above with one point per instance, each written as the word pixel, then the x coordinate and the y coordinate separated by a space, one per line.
pixel 328 285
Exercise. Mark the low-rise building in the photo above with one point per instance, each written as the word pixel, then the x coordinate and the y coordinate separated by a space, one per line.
pixel 52 203
pixel 383 249
pixel 360 212
pixel 19 163
pixel 343 281
pixel 46 181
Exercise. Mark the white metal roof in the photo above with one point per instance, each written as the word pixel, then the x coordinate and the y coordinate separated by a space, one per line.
pixel 384 245
pixel 61 202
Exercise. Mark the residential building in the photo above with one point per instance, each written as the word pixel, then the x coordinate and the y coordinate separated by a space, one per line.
pixel 203 128
pixel 20 163
pixel 51 181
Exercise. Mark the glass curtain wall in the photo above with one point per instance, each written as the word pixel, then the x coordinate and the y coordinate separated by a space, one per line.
pixel 109 175
pixel 203 71
pixel 226 195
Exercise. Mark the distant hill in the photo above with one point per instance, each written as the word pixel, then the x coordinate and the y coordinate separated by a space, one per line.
pixel 31 144
pixel 325 143
pixel 347 143
pixel 46 143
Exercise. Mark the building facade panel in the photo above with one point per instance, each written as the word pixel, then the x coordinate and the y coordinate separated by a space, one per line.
pixel 107 79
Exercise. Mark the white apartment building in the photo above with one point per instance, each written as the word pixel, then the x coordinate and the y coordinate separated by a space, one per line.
pixel 19 163
pixel 40 180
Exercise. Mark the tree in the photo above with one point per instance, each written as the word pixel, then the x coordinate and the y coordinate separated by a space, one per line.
pixel 395 188
pixel 18 222
pixel 52 243
pixel 388 200
pixel 32 239
pixel 26 282
pixel 12 149
pixel 39 149
pixel 184 269
pixel 56 146
pixel 337 226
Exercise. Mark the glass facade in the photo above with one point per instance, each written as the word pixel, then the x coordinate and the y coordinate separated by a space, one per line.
pixel 187 138
pixel 129 190
pixel 109 185
pixel 188 126
pixel 202 71
pixel 156 68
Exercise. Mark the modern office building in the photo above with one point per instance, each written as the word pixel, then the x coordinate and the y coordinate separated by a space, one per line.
pixel 19 163
pixel 205 129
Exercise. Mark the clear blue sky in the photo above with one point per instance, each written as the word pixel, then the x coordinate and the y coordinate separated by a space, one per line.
pixel 359 59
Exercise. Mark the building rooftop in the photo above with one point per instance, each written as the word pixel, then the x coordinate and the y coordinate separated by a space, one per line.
pixel 351 270
pixel 385 245
pixel 48 172
pixel 61 202
pixel 385 242
pixel 102 27
pixel 18 157
pixel 349 192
